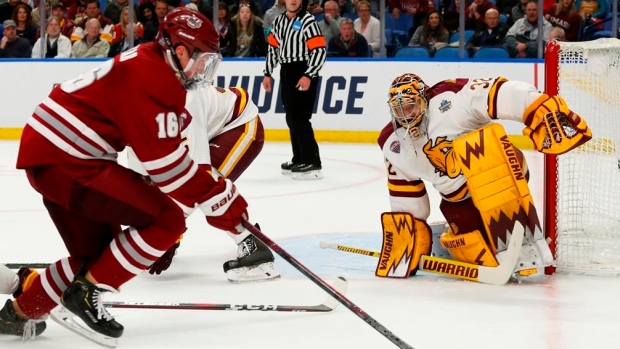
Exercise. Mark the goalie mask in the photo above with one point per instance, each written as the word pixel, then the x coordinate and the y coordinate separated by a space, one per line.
pixel 183 26
pixel 408 102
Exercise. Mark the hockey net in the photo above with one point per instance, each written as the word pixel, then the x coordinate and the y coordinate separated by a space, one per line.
pixel 582 187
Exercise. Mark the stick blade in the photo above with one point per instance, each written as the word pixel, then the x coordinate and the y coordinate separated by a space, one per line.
pixel 341 285
pixel 500 275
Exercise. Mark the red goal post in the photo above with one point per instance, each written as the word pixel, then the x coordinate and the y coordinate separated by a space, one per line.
pixel 582 187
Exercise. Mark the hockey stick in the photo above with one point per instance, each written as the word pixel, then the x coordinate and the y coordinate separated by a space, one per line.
pixel 340 285
pixel 333 246
pixel 27 265
pixel 488 275
pixel 326 287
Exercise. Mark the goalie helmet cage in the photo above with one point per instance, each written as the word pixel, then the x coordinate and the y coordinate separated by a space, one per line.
pixel 582 187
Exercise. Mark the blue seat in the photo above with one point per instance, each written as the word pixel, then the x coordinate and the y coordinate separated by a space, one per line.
pixel 351 16
pixel 503 18
pixel 491 52
pixel 602 34
pixel 455 37
pixel 399 27
pixel 413 52
pixel 319 17
pixel 449 53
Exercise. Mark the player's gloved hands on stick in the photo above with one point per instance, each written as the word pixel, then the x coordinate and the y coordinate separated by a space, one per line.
pixel 163 262
pixel 226 208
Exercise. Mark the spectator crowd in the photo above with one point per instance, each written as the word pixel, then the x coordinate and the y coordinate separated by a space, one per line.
pixel 352 28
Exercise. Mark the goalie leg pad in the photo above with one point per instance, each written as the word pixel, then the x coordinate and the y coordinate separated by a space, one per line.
pixel 469 248
pixel 496 183
pixel 405 240
pixel 553 127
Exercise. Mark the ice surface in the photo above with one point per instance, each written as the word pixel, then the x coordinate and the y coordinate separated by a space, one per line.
pixel 427 311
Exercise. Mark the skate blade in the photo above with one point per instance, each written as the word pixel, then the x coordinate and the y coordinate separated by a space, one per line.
pixel 307 175
pixel 286 172
pixel 67 319
pixel 261 272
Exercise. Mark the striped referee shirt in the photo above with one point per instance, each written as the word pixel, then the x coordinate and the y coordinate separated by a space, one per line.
pixel 296 40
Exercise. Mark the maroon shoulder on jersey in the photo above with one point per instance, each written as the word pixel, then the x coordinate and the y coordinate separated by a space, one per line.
pixel 454 85
pixel 94 116
pixel 385 133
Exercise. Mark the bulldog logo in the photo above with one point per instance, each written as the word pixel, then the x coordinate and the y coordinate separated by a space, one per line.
pixel 442 157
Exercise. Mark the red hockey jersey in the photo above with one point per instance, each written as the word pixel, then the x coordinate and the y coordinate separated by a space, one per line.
pixel 133 99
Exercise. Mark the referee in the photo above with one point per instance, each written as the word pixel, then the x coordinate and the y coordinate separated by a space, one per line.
pixel 296 42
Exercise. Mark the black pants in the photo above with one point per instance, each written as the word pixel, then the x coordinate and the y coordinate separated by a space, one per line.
pixel 298 106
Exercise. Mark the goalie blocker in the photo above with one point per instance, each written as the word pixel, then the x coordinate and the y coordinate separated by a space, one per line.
pixel 499 190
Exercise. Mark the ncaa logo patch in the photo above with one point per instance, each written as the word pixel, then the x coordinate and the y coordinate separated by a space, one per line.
pixel 445 106
pixel 395 147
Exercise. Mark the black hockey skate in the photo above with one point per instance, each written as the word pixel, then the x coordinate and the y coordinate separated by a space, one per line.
pixel 306 171
pixel 83 299
pixel 286 167
pixel 11 323
pixel 254 262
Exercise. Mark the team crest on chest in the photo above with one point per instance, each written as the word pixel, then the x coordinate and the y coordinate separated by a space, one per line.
pixel 442 157
pixel 395 147
pixel 445 106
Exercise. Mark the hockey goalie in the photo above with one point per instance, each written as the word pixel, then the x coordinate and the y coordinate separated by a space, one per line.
pixel 446 135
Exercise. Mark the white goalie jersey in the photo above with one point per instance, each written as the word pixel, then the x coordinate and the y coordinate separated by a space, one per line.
pixel 214 111
pixel 455 108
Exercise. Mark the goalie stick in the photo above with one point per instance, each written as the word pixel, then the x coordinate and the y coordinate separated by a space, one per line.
pixel 356 250
pixel 488 275
pixel 326 287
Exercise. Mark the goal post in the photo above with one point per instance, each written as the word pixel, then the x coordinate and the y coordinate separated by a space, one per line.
pixel 582 187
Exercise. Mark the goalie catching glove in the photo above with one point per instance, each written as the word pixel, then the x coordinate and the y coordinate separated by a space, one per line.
pixel 226 208
pixel 553 127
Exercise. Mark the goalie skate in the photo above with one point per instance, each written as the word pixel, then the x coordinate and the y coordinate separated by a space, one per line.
pixel 254 263
pixel 535 255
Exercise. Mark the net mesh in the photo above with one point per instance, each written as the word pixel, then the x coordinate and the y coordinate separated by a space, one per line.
pixel 588 185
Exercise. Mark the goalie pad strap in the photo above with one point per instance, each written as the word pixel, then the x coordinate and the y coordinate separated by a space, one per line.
pixel 405 240
pixel 552 127
pixel 469 248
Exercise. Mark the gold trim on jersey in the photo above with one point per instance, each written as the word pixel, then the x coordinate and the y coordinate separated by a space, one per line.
pixel 493 95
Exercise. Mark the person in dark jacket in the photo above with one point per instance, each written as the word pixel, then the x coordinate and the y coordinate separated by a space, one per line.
pixel 348 43
pixel 492 34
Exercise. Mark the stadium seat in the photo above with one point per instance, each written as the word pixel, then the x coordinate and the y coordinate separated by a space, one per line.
pixel 413 52
pixel 486 53
pixel 455 36
pixel 399 27
pixel 449 53
pixel 319 17
pixel 503 18
pixel 351 16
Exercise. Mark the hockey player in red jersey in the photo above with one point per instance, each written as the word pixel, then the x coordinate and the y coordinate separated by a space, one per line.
pixel 446 135
pixel 69 148
pixel 227 133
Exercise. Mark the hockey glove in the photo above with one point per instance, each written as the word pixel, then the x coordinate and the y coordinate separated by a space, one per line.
pixel 26 278
pixel 552 127
pixel 163 262
pixel 226 208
